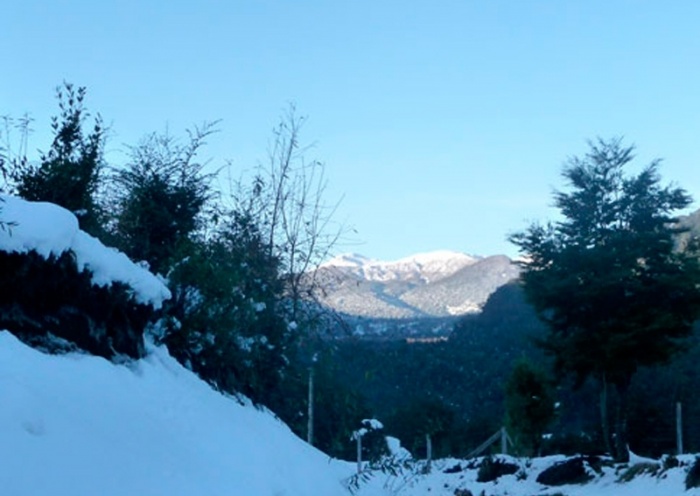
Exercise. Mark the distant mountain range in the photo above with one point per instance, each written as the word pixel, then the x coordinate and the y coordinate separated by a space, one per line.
pixel 424 286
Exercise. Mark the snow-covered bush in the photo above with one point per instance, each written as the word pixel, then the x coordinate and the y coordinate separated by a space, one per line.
pixel 224 320
pixel 50 297
pixel 55 280
pixel 571 471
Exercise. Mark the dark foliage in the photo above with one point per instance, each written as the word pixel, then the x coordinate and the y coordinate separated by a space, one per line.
pixel 693 478
pixel 463 378
pixel 571 471
pixel 41 297
pixel 339 408
pixel 374 446
pixel 492 468
pixel 69 173
pixel 425 416
pixel 392 376
pixel 223 320
pixel 614 292
pixel 529 407
pixel 161 195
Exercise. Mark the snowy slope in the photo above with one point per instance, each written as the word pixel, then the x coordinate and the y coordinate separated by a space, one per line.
pixel 77 425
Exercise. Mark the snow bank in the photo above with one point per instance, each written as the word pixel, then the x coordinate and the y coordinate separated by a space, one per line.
pixel 459 479
pixel 52 230
pixel 80 425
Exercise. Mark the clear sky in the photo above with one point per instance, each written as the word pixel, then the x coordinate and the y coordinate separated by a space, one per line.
pixel 443 124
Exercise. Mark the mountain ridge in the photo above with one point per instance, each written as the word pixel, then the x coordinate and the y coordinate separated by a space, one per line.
pixel 426 285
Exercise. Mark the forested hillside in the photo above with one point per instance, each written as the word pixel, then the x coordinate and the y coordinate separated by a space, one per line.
pixel 598 332
pixel 232 303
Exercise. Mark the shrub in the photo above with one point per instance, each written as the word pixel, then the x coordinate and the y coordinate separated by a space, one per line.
pixel 529 407
pixel 493 468
pixel 69 174
pixel 572 471
pixel 44 298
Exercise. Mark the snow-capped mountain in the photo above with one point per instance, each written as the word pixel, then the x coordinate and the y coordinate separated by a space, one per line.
pixel 425 266
pixel 437 284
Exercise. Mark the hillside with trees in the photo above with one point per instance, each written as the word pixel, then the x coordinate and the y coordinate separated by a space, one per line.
pixel 590 351
pixel 237 314
pixel 605 311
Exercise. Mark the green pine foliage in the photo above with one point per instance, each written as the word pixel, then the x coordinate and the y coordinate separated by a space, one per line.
pixel 607 280
pixel 161 196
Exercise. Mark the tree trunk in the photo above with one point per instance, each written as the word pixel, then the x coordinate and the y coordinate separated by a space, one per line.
pixel 604 417
pixel 429 453
pixel 622 453
pixel 310 406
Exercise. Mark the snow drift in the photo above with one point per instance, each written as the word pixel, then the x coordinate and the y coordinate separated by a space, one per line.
pixel 80 425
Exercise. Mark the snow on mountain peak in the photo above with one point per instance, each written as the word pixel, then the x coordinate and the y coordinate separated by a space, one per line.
pixel 348 260
pixel 438 256
pixel 426 266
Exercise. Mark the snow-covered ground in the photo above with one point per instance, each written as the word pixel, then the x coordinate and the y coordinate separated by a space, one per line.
pixel 78 425
pixel 74 425
pixel 438 483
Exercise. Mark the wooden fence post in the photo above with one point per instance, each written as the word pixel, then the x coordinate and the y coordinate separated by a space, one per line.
pixel 310 424
pixel 679 427
pixel 359 454
pixel 429 451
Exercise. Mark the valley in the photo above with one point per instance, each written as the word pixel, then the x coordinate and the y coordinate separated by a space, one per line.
pixel 417 297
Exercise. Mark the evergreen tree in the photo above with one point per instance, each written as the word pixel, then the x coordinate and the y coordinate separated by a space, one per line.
pixel 529 407
pixel 606 279
pixel 69 173
pixel 161 195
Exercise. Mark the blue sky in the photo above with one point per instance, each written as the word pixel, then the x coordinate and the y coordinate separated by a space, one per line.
pixel 442 124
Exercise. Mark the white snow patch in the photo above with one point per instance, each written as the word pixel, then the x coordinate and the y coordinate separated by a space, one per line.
pixel 415 482
pixel 52 230
pixel 80 425
pixel 427 266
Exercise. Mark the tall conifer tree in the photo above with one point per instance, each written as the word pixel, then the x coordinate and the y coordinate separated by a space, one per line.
pixel 607 279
